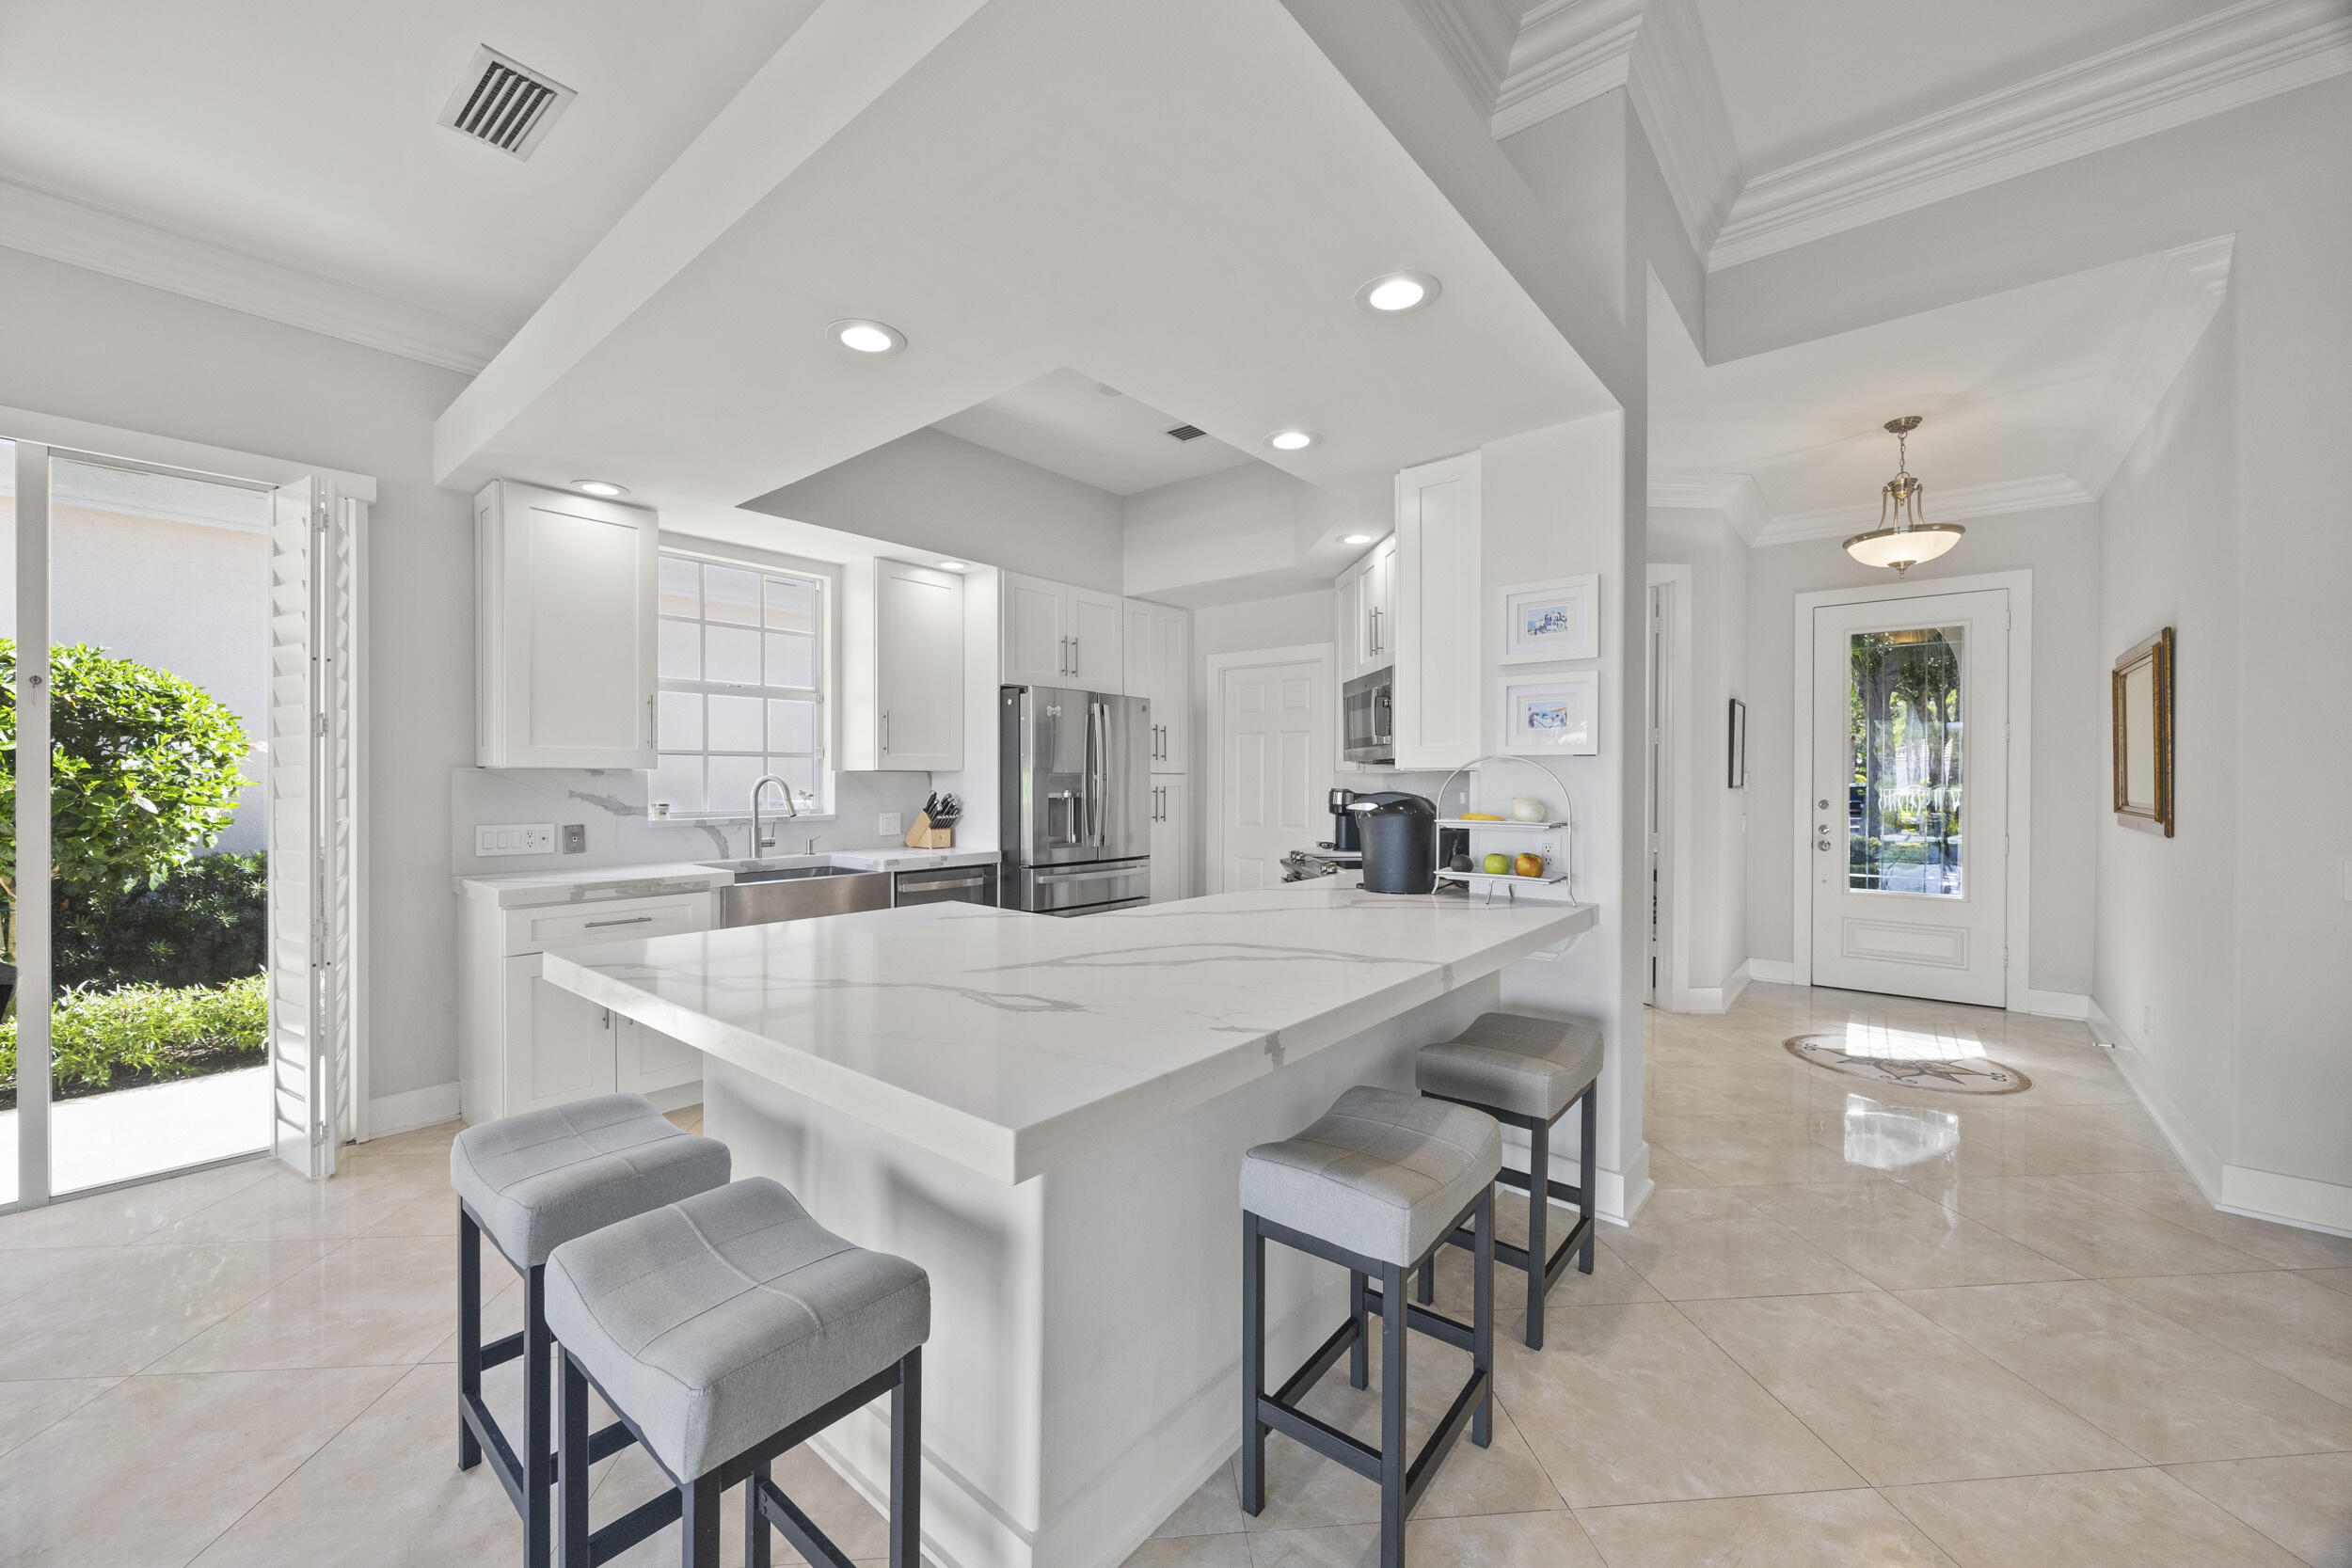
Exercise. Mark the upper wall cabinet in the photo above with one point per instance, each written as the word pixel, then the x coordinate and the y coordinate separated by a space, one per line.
pixel 918 668
pixel 1159 667
pixel 1440 649
pixel 1056 635
pixel 565 596
pixel 1366 595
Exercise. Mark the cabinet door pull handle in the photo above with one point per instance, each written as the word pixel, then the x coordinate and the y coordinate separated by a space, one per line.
pixel 631 920
pixel 886 735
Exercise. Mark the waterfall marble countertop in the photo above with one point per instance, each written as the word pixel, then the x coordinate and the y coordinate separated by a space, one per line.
pixel 1013 1043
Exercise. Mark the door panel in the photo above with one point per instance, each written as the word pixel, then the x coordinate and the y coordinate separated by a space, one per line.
pixel 1036 643
pixel 1275 724
pixel 919 668
pixel 561 1043
pixel 1098 655
pixel 1909 825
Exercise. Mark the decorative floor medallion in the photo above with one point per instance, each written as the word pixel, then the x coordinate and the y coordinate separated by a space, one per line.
pixel 1955 1074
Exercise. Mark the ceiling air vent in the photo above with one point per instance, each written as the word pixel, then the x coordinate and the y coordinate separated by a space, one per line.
pixel 504 102
pixel 1187 433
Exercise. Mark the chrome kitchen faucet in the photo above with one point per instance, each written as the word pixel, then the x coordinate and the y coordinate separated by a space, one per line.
pixel 768 841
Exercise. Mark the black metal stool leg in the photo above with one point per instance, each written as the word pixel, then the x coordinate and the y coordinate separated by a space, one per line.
pixel 572 1482
pixel 469 1333
pixel 1253 1431
pixel 1429 1282
pixel 1538 1228
pixel 698 1520
pixel 538 1421
pixel 906 1463
pixel 1392 1451
pixel 1585 1173
pixel 755 1539
pixel 1358 1354
pixel 1483 1321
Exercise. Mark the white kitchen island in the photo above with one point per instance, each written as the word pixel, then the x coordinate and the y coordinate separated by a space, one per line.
pixel 1049 1116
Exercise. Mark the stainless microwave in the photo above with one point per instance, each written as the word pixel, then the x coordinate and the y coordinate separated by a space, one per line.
pixel 1368 717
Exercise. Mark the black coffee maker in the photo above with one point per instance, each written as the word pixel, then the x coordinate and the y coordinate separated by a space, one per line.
pixel 1400 842
pixel 1344 838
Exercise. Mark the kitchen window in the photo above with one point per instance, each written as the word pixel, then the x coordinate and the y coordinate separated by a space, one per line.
pixel 742 674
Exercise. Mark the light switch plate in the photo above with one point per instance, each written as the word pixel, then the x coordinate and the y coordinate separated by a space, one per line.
pixel 889 823
pixel 514 838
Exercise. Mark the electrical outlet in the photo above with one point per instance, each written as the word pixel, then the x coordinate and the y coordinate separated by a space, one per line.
pixel 514 838
pixel 889 823
pixel 575 838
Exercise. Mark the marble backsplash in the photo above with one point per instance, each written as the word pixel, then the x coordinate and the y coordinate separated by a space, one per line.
pixel 610 803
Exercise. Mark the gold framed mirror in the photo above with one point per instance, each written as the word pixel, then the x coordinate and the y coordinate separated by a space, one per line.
pixel 2143 735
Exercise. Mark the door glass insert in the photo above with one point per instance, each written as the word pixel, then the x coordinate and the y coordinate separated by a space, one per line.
pixel 1903 822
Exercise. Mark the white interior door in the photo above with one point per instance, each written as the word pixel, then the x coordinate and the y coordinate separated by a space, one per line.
pixel 314 837
pixel 1275 754
pixel 1909 819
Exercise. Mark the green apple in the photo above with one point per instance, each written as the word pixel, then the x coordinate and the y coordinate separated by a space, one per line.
pixel 1498 865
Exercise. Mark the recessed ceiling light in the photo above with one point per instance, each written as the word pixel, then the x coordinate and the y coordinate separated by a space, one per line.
pixel 1396 291
pixel 1356 539
pixel 954 566
pixel 868 337
pixel 1291 440
pixel 599 488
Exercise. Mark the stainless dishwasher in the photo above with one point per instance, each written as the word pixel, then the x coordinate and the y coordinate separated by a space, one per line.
pixel 952 884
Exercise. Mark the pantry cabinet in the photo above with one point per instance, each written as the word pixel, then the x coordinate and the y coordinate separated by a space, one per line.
pixel 1434 587
pixel 565 600
pixel 1171 837
pixel 1159 667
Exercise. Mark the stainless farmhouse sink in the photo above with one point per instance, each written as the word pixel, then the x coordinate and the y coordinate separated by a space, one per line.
pixel 765 891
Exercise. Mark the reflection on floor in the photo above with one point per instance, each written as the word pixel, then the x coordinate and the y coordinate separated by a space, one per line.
pixel 1856 1325
pixel 103 1138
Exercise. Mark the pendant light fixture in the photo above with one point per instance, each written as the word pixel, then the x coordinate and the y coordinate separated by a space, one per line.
pixel 1902 538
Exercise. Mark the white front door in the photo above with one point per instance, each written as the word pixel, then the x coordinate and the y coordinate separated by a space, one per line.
pixel 1909 818
pixel 1275 754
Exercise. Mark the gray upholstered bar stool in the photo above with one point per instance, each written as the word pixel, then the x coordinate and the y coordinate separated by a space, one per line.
pixel 724 1330
pixel 534 1182
pixel 1526 1072
pixel 1377 1185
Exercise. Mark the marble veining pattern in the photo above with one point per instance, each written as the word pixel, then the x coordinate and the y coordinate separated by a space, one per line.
pixel 1014 1043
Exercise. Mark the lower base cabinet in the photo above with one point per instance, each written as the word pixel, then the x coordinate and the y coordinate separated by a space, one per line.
pixel 1171 837
pixel 526 1044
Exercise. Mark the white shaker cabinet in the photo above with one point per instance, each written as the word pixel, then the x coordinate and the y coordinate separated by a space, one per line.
pixel 565 590
pixel 1171 838
pixel 918 668
pixel 1439 650
pixel 1159 667
pixel 1366 598
pixel 1054 633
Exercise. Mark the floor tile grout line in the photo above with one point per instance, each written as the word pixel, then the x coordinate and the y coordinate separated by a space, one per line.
pixel 1725 1350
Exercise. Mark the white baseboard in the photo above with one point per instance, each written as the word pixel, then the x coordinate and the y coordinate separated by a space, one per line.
pixel 405 1113
pixel 2297 1200
pixel 1619 1194
pixel 2058 1004
pixel 1773 972
pixel 1718 999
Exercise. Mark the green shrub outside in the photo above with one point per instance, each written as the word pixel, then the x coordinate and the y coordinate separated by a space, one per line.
pixel 134 1034
pixel 200 924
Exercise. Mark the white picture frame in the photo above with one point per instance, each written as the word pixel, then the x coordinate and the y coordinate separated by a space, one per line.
pixel 1553 715
pixel 1545 623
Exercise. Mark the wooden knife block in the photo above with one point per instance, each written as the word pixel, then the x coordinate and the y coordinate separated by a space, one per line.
pixel 923 837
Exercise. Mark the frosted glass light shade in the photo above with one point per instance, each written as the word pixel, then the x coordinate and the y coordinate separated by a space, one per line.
pixel 1902 547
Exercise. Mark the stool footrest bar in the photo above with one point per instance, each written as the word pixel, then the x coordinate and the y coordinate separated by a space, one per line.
pixel 1326 1439
pixel 654 1514
pixel 1423 1469
pixel 499 1351
pixel 1326 1357
pixel 795 1525
pixel 1453 1331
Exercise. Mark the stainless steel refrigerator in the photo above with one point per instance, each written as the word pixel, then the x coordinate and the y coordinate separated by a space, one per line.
pixel 1076 798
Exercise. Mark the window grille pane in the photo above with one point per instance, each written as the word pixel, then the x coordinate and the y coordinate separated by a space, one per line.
pixel 1904 807
pixel 792 605
pixel 681 588
pixel 731 780
pixel 681 657
pixel 800 773
pixel 735 725
pixel 731 656
pixel 730 595
pixel 791 660
pixel 681 721
pixel 678 783
pixel 792 726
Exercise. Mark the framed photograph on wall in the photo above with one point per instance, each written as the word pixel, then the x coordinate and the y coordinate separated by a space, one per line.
pixel 1552 715
pixel 1737 747
pixel 1544 622
pixel 2143 735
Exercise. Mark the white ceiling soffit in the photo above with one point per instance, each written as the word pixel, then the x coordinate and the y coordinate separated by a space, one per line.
pixel 2033 400
pixel 2236 56
pixel 1524 66
pixel 1165 249
pixel 1087 430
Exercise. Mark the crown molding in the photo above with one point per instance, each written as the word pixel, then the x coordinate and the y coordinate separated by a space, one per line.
pixel 64 229
pixel 1524 66
pixel 1736 496
pixel 2037 494
pixel 2234 57
pixel 2181 302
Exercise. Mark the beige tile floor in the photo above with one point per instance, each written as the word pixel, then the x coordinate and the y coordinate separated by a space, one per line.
pixel 1853 1326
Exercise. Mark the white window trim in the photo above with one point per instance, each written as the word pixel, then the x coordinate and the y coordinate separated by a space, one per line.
pixel 826 575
